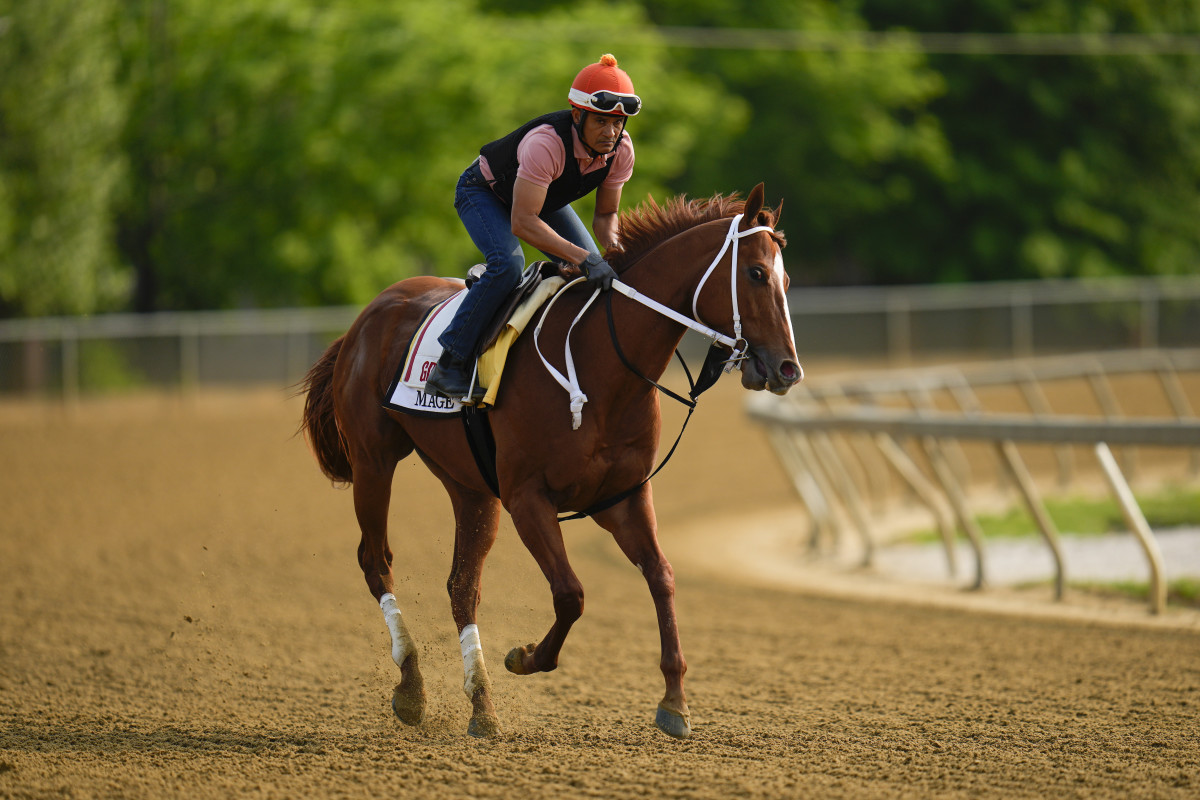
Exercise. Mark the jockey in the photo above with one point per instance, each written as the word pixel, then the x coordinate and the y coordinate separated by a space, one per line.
pixel 520 189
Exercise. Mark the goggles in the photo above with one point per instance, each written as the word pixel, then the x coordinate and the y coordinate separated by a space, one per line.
pixel 606 102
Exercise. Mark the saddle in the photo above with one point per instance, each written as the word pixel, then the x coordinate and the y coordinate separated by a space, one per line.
pixel 531 277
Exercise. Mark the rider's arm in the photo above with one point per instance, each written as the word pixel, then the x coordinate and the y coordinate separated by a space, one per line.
pixel 604 222
pixel 528 199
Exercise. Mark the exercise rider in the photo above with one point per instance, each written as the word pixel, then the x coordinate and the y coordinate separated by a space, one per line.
pixel 520 189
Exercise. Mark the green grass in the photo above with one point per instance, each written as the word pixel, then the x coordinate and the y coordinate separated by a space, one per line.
pixel 1184 592
pixel 1172 507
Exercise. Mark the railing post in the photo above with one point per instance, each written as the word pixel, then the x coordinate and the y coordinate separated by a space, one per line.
pixel 70 366
pixel 1033 501
pixel 958 501
pixel 912 475
pixel 1177 397
pixel 805 484
pixel 189 358
pixel 899 329
pixel 1040 406
pixel 1149 327
pixel 1022 324
pixel 851 499
pixel 1137 524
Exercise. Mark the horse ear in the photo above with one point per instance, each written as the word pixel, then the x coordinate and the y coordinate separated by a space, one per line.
pixel 778 212
pixel 754 204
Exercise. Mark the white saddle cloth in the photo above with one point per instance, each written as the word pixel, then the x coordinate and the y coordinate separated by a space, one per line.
pixel 407 392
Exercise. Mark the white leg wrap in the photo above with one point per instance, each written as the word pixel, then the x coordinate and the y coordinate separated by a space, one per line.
pixel 472 653
pixel 402 643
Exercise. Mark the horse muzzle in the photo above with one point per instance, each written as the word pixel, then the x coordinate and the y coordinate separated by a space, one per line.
pixel 776 374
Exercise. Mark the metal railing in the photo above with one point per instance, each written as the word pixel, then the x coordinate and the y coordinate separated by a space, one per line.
pixel 72 356
pixel 879 413
pixel 1013 319
pixel 179 350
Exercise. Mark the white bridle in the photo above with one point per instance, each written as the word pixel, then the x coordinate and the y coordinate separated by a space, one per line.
pixel 735 343
pixel 739 354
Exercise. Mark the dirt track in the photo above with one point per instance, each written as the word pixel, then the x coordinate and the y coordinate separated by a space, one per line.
pixel 181 615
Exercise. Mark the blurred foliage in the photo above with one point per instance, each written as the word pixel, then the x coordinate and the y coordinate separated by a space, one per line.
pixel 286 153
pixel 1078 166
pixel 843 135
pixel 173 154
pixel 61 112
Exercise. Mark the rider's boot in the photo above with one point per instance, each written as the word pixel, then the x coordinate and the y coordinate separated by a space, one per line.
pixel 451 378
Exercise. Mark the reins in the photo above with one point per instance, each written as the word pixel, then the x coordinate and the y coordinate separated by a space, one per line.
pixel 709 374
pixel 738 345
pixel 714 363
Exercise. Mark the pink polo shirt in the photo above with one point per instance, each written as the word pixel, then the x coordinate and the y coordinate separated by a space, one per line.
pixel 541 158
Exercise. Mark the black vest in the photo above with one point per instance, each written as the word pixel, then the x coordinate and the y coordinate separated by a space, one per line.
pixel 501 156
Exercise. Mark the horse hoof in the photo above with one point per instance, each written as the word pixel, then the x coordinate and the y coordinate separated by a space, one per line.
pixel 672 723
pixel 408 707
pixel 483 726
pixel 514 662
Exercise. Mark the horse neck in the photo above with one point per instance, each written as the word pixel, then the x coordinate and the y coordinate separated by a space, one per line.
pixel 669 273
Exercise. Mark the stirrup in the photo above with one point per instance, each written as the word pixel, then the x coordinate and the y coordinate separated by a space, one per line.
pixel 457 370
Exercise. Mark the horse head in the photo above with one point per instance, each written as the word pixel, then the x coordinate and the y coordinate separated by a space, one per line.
pixel 756 291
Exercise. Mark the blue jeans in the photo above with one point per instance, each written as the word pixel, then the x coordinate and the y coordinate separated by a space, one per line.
pixel 487 219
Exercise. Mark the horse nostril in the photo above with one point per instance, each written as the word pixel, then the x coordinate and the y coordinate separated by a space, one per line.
pixel 791 372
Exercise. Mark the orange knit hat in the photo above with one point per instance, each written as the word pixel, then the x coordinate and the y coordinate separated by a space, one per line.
pixel 603 76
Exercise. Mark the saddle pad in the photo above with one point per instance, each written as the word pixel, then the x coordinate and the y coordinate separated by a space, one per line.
pixel 407 392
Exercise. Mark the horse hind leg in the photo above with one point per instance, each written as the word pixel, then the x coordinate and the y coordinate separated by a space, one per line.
pixel 372 497
pixel 476 518
pixel 408 697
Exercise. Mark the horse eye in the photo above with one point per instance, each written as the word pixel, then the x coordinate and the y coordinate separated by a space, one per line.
pixel 758 274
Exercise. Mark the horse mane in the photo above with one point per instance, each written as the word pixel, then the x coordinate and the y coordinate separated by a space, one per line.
pixel 649 224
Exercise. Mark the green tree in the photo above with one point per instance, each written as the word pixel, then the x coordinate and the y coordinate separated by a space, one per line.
pixel 1066 165
pixel 290 153
pixel 845 136
pixel 839 133
pixel 61 113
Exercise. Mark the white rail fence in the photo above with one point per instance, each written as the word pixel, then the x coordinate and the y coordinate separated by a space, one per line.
pixel 70 356
pixel 181 351
pixel 842 441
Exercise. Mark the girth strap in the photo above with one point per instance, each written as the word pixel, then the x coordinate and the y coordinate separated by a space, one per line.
pixel 483 444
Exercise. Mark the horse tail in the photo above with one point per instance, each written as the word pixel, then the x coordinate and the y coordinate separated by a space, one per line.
pixel 319 423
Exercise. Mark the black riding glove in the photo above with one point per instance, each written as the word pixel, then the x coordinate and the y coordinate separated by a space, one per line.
pixel 597 270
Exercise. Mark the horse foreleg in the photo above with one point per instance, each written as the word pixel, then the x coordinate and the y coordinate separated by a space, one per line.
pixel 634 528
pixel 476 518
pixel 537 525
pixel 372 496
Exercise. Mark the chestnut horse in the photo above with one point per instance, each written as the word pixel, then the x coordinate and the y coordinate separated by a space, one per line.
pixel 544 465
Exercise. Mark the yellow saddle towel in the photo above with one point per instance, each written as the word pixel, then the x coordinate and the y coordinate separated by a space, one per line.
pixel 491 363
